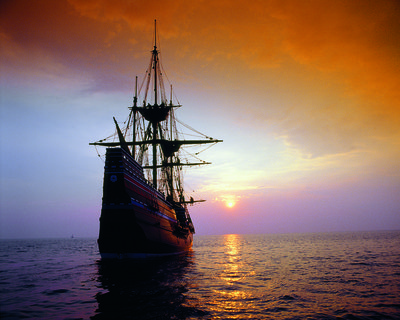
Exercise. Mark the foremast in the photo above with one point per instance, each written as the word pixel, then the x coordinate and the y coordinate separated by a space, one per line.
pixel 155 139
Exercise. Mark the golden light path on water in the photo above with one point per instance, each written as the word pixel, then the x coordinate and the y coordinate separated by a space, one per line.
pixel 234 272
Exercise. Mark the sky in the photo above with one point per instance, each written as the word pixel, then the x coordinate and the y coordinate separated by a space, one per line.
pixel 305 95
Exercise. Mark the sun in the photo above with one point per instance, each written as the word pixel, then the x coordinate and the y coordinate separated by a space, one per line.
pixel 230 204
pixel 228 200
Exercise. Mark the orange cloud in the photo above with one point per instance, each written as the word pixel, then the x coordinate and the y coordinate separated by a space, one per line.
pixel 361 42
pixel 346 56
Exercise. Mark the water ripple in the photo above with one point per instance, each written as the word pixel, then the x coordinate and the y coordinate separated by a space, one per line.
pixel 301 276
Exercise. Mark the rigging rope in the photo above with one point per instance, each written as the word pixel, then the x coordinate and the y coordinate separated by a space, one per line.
pixel 211 145
pixel 100 156
pixel 166 75
pixel 190 128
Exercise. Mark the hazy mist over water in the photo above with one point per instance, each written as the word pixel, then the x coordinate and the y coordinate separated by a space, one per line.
pixel 287 276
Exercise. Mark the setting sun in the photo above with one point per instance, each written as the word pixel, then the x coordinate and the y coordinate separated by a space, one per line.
pixel 228 200
pixel 230 204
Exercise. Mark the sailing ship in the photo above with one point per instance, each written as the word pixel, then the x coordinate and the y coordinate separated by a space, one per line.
pixel 144 206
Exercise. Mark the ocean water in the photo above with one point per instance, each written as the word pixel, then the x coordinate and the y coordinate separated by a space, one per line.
pixel 291 276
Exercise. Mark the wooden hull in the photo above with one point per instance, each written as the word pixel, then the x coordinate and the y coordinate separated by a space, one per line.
pixel 136 220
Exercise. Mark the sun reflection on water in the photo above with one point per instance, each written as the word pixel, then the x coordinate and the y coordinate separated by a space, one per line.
pixel 231 265
pixel 229 295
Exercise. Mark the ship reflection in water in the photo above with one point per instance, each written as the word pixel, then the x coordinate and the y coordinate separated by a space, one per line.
pixel 145 289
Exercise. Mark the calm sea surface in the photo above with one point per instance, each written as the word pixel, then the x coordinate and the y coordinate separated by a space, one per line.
pixel 293 276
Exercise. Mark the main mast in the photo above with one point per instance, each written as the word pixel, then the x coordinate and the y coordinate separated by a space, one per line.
pixel 155 124
pixel 157 140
